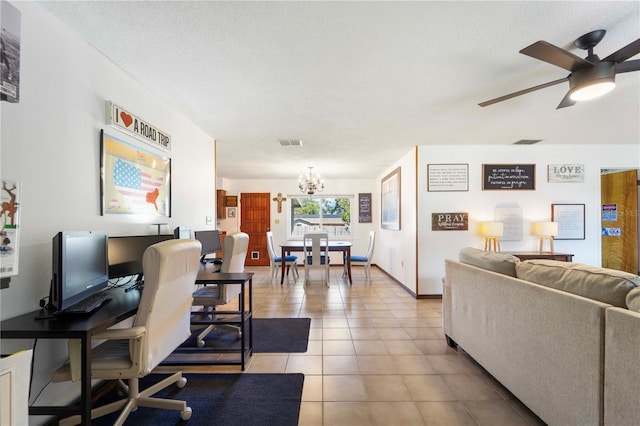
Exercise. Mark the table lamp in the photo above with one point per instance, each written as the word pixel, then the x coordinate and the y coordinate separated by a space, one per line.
pixel 491 231
pixel 546 231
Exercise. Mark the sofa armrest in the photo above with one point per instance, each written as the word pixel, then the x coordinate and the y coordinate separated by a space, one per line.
pixel 621 373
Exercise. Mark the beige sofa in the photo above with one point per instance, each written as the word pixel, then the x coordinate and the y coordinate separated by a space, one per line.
pixel 558 335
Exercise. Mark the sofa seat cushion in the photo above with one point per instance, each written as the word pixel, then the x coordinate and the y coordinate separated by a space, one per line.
pixel 501 263
pixel 605 285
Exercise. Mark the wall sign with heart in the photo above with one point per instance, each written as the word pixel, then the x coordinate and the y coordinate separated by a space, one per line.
pixel 141 129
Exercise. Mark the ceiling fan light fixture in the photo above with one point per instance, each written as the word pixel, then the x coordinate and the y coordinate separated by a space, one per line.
pixel 592 82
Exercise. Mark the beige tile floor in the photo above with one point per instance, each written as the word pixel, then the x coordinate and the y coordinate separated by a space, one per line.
pixel 376 356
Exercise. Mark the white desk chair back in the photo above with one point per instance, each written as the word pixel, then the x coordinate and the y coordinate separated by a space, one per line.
pixel 236 246
pixel 365 260
pixel 15 371
pixel 316 254
pixel 291 262
pixel 160 326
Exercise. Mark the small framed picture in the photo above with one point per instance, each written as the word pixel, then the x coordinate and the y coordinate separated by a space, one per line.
pixel 231 201
pixel 232 212
pixel 570 218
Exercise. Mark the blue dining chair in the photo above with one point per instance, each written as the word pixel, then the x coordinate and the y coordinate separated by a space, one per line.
pixel 364 260
pixel 291 262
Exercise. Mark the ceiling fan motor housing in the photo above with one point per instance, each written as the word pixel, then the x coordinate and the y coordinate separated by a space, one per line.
pixel 600 74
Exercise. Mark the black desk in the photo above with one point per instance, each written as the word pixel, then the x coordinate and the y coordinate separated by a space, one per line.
pixel 122 306
pixel 243 318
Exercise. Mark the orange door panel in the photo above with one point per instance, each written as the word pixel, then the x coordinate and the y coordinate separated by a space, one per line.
pixel 255 220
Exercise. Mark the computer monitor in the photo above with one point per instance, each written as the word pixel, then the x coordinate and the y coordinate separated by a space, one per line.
pixel 125 254
pixel 79 267
pixel 210 241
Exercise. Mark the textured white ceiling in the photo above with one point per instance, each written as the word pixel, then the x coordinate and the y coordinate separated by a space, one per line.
pixel 361 82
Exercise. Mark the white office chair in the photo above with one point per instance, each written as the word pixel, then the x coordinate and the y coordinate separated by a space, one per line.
pixel 316 254
pixel 291 261
pixel 160 326
pixel 15 371
pixel 210 296
pixel 363 260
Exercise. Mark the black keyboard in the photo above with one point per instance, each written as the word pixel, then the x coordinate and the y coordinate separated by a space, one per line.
pixel 86 306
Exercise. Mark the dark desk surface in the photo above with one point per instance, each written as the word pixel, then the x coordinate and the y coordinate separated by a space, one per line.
pixel 121 306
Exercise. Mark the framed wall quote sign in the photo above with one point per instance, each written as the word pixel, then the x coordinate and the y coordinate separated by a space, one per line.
pixel 510 177
pixel 364 207
pixel 449 221
pixel 570 218
pixel 447 177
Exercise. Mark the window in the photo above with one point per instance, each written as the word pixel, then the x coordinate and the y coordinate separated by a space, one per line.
pixel 330 214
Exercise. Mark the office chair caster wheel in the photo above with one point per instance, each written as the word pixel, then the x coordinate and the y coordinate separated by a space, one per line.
pixel 201 343
pixel 181 383
pixel 186 414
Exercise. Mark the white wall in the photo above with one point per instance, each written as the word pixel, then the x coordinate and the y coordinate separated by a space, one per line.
pixel 435 246
pixel 50 142
pixel 395 251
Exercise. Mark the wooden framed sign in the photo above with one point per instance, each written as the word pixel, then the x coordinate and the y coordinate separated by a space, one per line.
pixel 511 177
pixel 364 207
pixel 447 177
pixel 450 221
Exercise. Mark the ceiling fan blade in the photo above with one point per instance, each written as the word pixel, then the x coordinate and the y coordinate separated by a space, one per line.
pixel 628 66
pixel 554 55
pixel 566 102
pixel 625 53
pixel 522 92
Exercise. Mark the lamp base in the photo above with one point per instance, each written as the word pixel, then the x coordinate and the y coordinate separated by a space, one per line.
pixel 542 240
pixel 492 244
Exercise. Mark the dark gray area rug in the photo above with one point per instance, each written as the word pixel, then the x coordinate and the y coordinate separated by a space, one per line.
pixel 269 335
pixel 223 399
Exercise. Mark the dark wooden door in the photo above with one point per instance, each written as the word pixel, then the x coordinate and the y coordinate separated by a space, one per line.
pixel 620 194
pixel 255 220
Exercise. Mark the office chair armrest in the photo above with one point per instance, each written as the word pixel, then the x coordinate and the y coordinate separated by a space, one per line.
pixel 75 357
pixel 121 333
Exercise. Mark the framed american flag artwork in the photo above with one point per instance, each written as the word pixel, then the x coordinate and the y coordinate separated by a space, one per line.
pixel 133 180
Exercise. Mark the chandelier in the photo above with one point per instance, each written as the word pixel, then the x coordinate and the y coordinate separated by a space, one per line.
pixel 310 183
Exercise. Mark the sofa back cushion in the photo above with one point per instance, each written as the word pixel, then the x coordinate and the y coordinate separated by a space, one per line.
pixel 501 263
pixel 605 285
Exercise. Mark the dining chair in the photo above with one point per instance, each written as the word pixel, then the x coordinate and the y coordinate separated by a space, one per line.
pixel 365 260
pixel 160 326
pixel 291 261
pixel 236 246
pixel 316 254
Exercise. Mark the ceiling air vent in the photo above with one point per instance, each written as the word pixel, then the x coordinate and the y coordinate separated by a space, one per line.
pixel 290 142
pixel 527 141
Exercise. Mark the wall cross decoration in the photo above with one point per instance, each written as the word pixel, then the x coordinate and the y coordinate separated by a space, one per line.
pixel 279 199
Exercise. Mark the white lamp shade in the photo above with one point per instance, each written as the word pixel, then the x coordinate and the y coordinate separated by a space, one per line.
pixel 545 229
pixel 491 229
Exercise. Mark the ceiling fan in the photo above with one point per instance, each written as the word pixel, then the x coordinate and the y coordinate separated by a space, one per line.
pixel 590 77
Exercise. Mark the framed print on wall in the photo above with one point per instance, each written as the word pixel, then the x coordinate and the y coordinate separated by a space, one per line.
pixel 570 219
pixel 447 177
pixel 390 200
pixel 364 207
pixel 134 180
pixel 510 177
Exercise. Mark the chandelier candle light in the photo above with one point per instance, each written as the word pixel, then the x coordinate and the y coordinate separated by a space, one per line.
pixel 310 183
